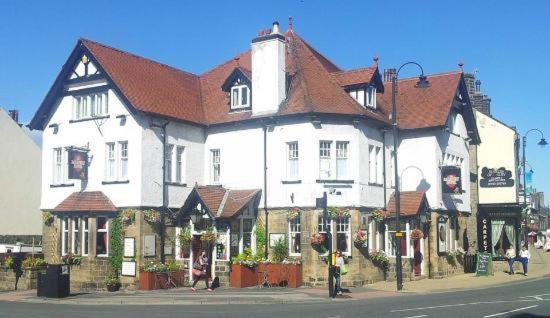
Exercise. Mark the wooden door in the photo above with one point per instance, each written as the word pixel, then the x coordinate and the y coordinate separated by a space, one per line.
pixel 418 257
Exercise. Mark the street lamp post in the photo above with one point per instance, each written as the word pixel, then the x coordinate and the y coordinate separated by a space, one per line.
pixel 541 143
pixel 422 83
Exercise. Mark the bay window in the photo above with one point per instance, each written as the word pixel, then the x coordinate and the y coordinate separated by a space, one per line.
pixel 75 237
pixel 64 236
pixel 85 236
pixel 102 237
pixel 294 234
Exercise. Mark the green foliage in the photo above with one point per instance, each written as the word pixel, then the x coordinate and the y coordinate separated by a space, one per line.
pixel 116 245
pixel 154 267
pixel 261 239
pixel 7 262
pixel 247 258
pixel 280 250
pixel 172 265
pixel 47 217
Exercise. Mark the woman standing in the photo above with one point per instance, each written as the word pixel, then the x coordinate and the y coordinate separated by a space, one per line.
pixel 338 264
pixel 524 257
pixel 199 270
pixel 511 256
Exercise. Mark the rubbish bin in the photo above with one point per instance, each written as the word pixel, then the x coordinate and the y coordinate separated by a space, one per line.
pixel 55 283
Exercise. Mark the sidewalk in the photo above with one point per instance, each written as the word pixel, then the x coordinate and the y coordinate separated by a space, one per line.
pixel 539 266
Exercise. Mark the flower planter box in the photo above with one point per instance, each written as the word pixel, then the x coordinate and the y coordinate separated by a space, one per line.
pixel 243 276
pixel 146 281
pixel 294 275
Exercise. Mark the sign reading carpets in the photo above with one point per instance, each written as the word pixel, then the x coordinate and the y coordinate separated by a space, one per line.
pixel 484 234
pixel 451 179
pixel 442 235
pixel 496 178
pixel 78 164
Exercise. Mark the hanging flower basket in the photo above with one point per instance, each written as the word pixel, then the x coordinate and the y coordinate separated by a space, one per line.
pixel 416 234
pixel 185 236
pixel 47 217
pixel 317 239
pixel 378 215
pixel 293 213
pixel 360 238
pixel 379 259
pixel 338 213
pixel 128 216
pixel 209 235
pixel 151 216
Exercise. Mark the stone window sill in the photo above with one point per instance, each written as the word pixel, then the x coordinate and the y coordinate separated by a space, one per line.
pixel 291 181
pixel 374 184
pixel 176 184
pixel 62 185
pixel 334 181
pixel 116 182
pixel 88 119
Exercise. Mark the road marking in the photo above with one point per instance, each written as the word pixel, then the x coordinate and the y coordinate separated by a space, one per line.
pixel 537 297
pixel 507 312
pixel 416 316
pixel 467 304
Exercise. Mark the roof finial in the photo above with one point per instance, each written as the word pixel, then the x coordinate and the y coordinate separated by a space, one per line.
pixel 461 65
pixel 237 59
pixel 375 58
pixel 290 23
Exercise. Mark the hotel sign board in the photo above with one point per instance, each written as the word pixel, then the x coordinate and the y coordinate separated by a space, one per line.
pixel 78 164
pixel 496 178
pixel 451 179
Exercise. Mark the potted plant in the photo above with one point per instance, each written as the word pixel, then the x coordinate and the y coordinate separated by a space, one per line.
pixel 416 234
pixel 151 216
pixel 360 238
pixel 338 213
pixel 48 218
pixel 293 213
pixel 244 269
pixel 175 269
pixel 184 238
pixel 380 259
pixel 128 216
pixel 209 235
pixel 112 282
pixel 147 277
pixel 378 215
pixel 317 241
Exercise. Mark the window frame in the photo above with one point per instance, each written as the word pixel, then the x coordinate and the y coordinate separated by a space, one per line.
pixel 75 235
pixel 215 165
pixel 106 231
pixel 346 232
pixel 110 161
pixel 64 236
pixel 85 236
pixel 121 159
pixel 58 175
pixel 321 229
pixel 180 164
pixel 237 90
pixel 168 162
pixel 339 156
pixel 292 160
pixel 370 97
pixel 293 230
pixel 325 155
pixel 388 239
pixel 86 106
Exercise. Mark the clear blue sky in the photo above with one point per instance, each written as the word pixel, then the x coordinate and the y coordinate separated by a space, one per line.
pixel 506 41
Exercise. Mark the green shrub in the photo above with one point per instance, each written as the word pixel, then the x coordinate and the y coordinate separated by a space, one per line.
pixel 280 250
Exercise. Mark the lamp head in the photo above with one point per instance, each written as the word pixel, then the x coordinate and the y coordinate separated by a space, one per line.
pixel 542 142
pixel 422 82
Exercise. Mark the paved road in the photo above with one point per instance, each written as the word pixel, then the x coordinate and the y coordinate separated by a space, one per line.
pixel 526 299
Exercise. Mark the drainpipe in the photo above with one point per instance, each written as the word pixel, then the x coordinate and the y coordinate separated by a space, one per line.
pixel 265 191
pixel 164 194
pixel 384 165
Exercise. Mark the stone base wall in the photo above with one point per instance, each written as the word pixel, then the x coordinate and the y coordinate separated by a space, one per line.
pixel 90 275
pixel 28 280
pixel 222 272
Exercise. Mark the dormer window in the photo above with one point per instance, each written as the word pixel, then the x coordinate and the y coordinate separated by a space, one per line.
pixel 240 97
pixel 365 96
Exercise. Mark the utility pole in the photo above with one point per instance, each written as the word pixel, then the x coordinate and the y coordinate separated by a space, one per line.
pixel 322 204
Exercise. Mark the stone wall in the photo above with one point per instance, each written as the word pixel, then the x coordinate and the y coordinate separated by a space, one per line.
pixel 28 279
pixel 314 266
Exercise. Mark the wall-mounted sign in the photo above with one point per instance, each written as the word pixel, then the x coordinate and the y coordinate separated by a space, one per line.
pixel 496 178
pixel 442 235
pixel 129 247
pixel 149 245
pixel 78 164
pixel 128 269
pixel 451 179
pixel 484 237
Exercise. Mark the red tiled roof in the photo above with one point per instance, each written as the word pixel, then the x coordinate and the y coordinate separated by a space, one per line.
pixel 422 107
pixel 230 201
pixel 357 76
pixel 411 203
pixel 93 201
pixel 150 86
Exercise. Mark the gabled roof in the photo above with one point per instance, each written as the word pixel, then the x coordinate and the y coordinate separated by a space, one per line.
pixel 92 201
pixel 411 203
pixel 422 107
pixel 220 202
pixel 358 76
pixel 238 73
pixel 158 89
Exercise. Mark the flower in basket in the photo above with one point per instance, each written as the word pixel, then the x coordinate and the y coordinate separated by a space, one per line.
pixel 379 259
pixel 417 234
pixel 360 238
pixel 154 267
pixel 293 213
pixel 7 262
pixel 128 216
pixel 47 217
pixel 151 216
pixel 185 236
pixel 292 261
pixel 338 213
pixel 378 215
pixel 31 262
pixel 209 235
pixel 317 239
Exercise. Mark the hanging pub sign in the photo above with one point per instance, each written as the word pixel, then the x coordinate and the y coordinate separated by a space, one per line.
pixel 78 164
pixel 496 178
pixel 451 180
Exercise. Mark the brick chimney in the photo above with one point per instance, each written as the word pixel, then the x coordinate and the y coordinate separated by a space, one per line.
pixel 388 74
pixel 268 70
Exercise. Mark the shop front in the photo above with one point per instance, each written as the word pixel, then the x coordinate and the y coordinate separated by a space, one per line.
pixel 499 228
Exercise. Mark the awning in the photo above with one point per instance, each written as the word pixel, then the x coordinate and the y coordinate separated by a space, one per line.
pixel 220 202
pixel 92 201
pixel 411 203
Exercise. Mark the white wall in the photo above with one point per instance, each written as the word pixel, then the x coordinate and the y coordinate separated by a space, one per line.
pixel 93 134
pixel 19 180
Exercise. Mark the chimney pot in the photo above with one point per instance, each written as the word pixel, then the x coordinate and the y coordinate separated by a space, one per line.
pixel 276 27
pixel 267 31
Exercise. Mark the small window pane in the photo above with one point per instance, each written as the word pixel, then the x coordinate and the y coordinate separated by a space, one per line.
pixel 244 95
